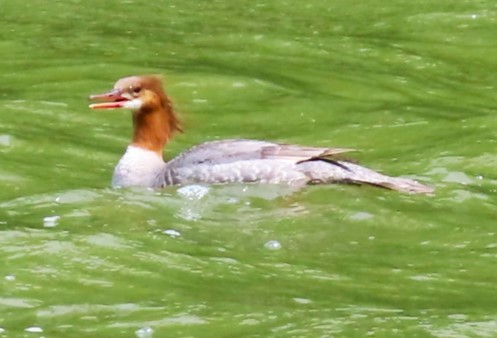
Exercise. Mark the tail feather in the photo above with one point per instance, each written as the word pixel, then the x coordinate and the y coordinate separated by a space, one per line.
pixel 401 184
pixel 326 171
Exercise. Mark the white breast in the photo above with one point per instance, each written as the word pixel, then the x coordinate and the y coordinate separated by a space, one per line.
pixel 139 167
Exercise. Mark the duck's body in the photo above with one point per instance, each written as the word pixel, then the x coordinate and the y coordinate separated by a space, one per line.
pixel 225 161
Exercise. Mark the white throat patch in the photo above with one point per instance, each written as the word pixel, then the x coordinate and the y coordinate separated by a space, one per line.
pixel 134 104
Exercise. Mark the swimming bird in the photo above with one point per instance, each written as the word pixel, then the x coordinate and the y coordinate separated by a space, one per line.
pixel 221 161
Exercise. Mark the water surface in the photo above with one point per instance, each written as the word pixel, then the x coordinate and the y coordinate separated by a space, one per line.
pixel 411 85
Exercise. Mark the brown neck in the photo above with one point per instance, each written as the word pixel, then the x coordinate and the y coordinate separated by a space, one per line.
pixel 151 129
pixel 155 123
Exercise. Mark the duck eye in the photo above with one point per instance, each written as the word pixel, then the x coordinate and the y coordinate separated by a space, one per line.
pixel 136 89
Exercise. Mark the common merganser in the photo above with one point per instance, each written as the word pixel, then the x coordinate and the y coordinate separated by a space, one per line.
pixel 224 161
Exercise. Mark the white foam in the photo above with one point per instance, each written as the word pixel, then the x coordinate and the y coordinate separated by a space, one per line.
pixel 172 233
pixel 34 329
pixel 144 332
pixel 50 221
pixel 5 140
pixel 272 245
pixel 193 191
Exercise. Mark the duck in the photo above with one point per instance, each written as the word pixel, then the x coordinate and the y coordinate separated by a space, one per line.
pixel 155 122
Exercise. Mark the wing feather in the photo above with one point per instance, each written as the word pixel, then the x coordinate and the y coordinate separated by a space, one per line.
pixel 226 151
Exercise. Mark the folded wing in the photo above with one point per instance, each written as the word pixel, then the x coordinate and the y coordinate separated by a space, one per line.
pixel 226 151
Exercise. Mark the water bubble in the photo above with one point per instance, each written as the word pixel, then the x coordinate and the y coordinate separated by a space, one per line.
pixel 231 200
pixel 361 216
pixel 172 233
pixel 188 214
pixel 34 329
pixel 50 221
pixel 144 332
pixel 193 191
pixel 272 245
pixel 238 84
pixel 302 300
pixel 5 140
pixel 192 208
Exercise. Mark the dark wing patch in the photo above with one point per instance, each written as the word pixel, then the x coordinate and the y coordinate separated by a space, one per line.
pixel 327 160
pixel 301 154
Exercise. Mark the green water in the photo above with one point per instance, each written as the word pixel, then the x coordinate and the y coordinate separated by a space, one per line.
pixel 409 83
